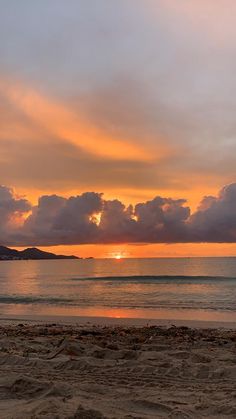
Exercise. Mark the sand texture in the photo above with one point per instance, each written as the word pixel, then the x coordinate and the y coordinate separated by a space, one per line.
pixel 93 372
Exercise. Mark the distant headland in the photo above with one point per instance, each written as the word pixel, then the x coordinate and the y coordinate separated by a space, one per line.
pixel 31 253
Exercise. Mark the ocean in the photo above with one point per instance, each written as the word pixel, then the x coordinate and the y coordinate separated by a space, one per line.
pixel 155 288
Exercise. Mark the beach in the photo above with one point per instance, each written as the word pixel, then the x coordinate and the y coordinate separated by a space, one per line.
pixel 130 339
pixel 117 209
pixel 88 369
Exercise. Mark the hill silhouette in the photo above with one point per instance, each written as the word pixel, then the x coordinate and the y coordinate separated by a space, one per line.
pixel 31 253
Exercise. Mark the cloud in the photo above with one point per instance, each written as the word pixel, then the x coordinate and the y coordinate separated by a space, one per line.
pixel 117 223
pixel 12 210
pixel 35 133
pixel 61 122
pixel 40 131
pixel 89 219
pixel 59 220
pixel 215 20
pixel 162 220
pixel 120 81
pixel 215 220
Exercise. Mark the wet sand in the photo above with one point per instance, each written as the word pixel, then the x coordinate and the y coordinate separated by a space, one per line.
pixel 56 370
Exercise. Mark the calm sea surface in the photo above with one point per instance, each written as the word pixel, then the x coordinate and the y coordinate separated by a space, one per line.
pixel 170 288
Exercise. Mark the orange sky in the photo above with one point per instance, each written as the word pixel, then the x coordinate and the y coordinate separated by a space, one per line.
pixel 132 100
pixel 146 251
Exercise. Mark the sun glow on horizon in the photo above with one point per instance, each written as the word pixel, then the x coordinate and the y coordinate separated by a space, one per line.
pixel 117 255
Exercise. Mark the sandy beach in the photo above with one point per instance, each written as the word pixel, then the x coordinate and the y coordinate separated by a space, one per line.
pixel 56 370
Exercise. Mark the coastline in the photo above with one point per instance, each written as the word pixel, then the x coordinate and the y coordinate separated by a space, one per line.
pixel 115 321
pixel 100 368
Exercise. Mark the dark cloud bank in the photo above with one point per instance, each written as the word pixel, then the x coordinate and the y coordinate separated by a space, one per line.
pixel 57 220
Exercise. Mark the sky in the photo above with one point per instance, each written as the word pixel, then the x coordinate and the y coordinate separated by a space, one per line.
pixel 117 126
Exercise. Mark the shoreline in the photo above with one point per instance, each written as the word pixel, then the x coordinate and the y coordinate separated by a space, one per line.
pixel 115 321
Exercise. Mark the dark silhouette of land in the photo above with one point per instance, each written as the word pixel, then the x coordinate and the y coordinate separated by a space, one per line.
pixel 30 253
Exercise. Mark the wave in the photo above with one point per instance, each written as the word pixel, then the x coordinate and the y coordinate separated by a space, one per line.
pixel 24 299
pixel 191 304
pixel 166 305
pixel 160 305
pixel 151 278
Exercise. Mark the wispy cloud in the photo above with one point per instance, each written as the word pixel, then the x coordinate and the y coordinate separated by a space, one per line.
pixel 57 121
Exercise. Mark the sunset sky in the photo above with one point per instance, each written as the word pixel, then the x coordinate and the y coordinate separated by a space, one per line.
pixel 132 99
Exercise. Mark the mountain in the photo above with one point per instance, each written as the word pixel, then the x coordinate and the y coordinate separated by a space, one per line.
pixel 5 251
pixel 31 253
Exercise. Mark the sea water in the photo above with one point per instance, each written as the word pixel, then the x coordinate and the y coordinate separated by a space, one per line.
pixel 154 288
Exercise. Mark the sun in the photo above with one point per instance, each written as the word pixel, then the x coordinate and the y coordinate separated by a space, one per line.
pixel 118 254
